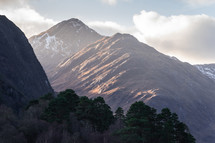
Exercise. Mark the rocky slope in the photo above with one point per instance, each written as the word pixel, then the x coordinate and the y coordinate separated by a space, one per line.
pixel 208 70
pixel 123 70
pixel 61 41
pixel 21 76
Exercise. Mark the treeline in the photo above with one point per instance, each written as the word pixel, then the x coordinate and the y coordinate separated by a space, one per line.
pixel 69 118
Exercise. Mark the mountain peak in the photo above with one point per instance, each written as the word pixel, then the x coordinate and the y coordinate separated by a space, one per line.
pixel 61 41
pixel 4 19
pixel 74 22
pixel 123 36
pixel 3 16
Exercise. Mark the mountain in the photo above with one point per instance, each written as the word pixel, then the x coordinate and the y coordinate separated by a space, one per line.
pixel 123 70
pixel 22 78
pixel 208 70
pixel 61 41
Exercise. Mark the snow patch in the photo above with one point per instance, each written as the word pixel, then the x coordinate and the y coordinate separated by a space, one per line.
pixel 208 71
pixel 75 24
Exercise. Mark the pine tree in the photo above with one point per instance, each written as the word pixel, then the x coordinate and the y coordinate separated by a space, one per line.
pixel 119 114
pixel 139 124
pixel 103 116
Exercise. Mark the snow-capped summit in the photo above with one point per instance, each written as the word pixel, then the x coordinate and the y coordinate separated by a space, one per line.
pixel 208 70
pixel 75 22
pixel 61 41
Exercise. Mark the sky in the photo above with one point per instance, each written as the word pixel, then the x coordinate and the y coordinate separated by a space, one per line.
pixel 181 28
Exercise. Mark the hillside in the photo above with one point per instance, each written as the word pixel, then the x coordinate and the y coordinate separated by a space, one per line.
pixel 123 70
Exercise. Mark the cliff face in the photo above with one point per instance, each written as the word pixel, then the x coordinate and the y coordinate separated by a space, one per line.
pixel 22 78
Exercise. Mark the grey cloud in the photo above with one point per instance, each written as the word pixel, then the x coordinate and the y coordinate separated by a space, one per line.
pixel 189 38
pixel 199 2
pixel 28 20
pixel 112 2
pixel 109 28
pixel 193 43
pixel 12 3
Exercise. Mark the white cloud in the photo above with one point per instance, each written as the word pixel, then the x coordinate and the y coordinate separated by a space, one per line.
pixel 190 38
pixel 12 3
pixel 151 23
pixel 112 2
pixel 26 18
pixel 199 2
pixel 109 28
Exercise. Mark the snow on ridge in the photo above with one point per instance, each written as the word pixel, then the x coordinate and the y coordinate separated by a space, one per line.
pixel 75 24
pixel 208 71
pixel 50 43
pixel 49 39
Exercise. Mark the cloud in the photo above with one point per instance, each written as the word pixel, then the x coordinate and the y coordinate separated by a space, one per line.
pixel 109 28
pixel 190 38
pixel 112 2
pixel 187 37
pixel 12 3
pixel 26 18
pixel 200 2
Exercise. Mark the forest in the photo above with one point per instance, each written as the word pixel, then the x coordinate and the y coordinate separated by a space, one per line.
pixel 69 118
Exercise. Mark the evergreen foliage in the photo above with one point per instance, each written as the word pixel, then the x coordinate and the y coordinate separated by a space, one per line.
pixel 57 110
pixel 69 118
pixel 171 129
pixel 119 114
pixel 102 115
pixel 60 107
pixel 31 103
pixel 96 111
pixel 84 108
pixel 142 124
pixel 48 96
pixel 71 97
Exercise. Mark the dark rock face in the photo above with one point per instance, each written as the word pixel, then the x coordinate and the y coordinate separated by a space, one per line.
pixel 123 70
pixel 21 76
pixel 61 41
pixel 10 96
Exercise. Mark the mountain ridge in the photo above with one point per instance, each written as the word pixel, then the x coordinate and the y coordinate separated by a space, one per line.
pixel 123 70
